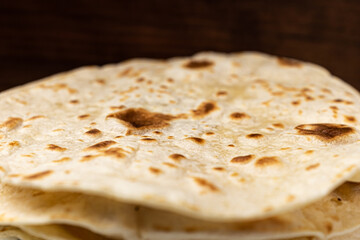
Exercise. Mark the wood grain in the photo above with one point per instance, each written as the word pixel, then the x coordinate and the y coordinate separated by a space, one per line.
pixel 39 38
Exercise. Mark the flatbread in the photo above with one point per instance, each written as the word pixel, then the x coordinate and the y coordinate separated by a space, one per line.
pixel 20 206
pixel 337 216
pixel 13 233
pixel 214 136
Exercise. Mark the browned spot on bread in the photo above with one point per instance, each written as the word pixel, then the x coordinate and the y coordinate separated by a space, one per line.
pixel 204 109
pixel 64 159
pixel 101 145
pixel 254 135
pixel 210 133
pixel 139 80
pixel 268 209
pixel 308 152
pixel 177 157
pixel 196 140
pixel 157 132
pixel 329 227
pixel 295 103
pixel 169 164
pixel 197 64
pixel 100 81
pixel 278 125
pixel 11 123
pixel 2 169
pixel 142 119
pixel 221 93
pixel 204 183
pixel 238 115
pixel 155 170
pixel 115 152
pixel 287 62
pixel 219 169
pixel 325 131
pixel 35 117
pixel 290 198
pixel 54 147
pixel 170 80
pixel 148 139
pixel 75 101
pixel 84 116
pixel 125 72
pixel 267 161
pixel 242 159
pixel 312 166
pixel 117 107
pixel 38 175
pixel 14 144
pixel 350 119
pixel 87 158
pixel 93 132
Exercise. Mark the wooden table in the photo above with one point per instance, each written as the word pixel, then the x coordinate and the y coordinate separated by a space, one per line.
pixel 38 38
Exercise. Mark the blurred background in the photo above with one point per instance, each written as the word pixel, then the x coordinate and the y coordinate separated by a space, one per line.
pixel 39 38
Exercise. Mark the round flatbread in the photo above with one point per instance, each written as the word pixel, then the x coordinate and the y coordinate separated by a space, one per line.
pixel 213 136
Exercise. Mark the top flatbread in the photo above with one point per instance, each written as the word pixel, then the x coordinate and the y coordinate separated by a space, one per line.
pixel 213 136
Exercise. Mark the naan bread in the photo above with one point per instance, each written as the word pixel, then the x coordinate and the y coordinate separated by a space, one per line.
pixel 214 136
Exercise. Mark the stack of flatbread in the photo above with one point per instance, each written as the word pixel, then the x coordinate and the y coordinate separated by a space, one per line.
pixel 213 146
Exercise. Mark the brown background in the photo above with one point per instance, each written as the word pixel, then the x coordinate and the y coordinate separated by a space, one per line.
pixel 38 38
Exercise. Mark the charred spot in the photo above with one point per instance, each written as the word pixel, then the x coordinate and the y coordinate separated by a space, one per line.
pixel 219 169
pixel 101 145
pixel 210 133
pixel 267 161
pixel 93 132
pixel 75 101
pixel 87 158
pixel 325 131
pixel 295 103
pixel 100 81
pixel 238 115
pixel 157 132
pixel 197 64
pixel 84 116
pixel 308 152
pixel 54 147
pixel 196 140
pixel 38 175
pixel 221 93
pixel 14 144
pixel 177 157
pixel 64 159
pixel 204 109
pixel 35 117
pixel 254 135
pixel 115 152
pixel 350 119
pixel 312 166
pixel 278 125
pixel 288 62
pixel 155 170
pixel 11 123
pixel 148 139
pixel 329 227
pixel 204 183
pixel 242 159
pixel 231 145
pixel 141 119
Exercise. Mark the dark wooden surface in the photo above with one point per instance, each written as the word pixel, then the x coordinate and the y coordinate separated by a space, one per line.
pixel 38 38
